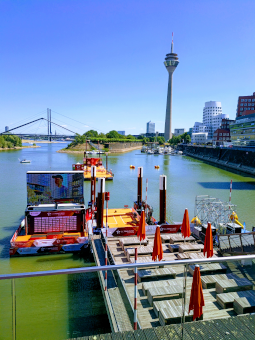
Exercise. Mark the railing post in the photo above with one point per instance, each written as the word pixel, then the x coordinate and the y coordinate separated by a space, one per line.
pixel 107 197
pixel 135 295
pixel 13 310
pixel 146 210
pixel 184 298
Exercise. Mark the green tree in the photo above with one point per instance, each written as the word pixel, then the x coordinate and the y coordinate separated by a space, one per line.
pixel 188 139
pixel 130 137
pixel 113 134
pixel 91 133
pixel 161 140
pixel 10 141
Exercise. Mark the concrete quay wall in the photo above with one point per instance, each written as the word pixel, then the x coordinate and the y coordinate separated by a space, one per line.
pixel 123 147
pixel 231 159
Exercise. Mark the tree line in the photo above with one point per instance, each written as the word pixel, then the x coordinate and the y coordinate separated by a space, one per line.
pixel 179 139
pixel 9 141
pixel 114 136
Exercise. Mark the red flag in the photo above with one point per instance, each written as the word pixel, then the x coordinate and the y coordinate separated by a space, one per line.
pixel 196 298
pixel 157 248
pixel 88 215
pixel 185 225
pixel 208 244
pixel 141 233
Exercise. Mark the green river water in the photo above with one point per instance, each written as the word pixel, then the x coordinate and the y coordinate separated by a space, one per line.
pixel 66 306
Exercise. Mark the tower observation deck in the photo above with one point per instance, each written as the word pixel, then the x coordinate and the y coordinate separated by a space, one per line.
pixel 171 62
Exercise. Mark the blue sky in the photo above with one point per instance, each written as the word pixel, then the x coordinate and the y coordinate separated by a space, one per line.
pixel 100 63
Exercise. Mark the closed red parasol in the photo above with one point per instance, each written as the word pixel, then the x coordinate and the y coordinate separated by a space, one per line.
pixel 196 298
pixel 157 247
pixel 141 233
pixel 185 229
pixel 208 244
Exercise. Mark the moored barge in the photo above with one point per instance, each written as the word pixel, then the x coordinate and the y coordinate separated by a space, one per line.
pixel 100 170
pixel 55 216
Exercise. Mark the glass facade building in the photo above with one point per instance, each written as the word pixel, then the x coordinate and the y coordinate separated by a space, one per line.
pixel 150 127
pixel 243 131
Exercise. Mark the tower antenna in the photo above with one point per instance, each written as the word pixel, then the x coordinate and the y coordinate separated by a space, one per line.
pixel 171 62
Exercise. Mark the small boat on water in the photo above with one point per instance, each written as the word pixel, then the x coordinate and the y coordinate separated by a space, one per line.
pixel 25 161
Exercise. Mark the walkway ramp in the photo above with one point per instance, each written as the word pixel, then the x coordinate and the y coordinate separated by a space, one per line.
pixel 116 309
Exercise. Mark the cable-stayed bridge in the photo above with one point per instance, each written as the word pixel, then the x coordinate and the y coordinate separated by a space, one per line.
pixel 50 136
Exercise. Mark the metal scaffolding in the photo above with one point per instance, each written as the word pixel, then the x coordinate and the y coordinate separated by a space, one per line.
pixel 213 210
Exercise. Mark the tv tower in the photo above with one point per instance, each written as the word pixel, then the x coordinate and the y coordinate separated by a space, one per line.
pixel 171 62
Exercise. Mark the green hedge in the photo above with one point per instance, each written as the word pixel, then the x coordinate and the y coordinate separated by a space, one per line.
pixel 81 139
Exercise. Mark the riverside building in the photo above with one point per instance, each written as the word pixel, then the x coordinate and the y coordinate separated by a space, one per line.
pixel 222 134
pixel 243 130
pixel 212 119
pixel 245 105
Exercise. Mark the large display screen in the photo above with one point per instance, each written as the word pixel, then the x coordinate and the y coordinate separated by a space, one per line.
pixel 55 221
pixel 54 187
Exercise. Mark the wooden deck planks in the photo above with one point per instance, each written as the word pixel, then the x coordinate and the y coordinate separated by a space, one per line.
pixel 146 314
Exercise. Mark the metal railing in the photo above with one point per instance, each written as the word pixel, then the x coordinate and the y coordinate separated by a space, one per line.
pixel 126 266
pixel 98 269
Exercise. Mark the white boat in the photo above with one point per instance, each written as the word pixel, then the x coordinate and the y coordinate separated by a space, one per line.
pixel 25 161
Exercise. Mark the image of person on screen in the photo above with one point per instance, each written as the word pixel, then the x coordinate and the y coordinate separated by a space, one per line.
pixel 59 191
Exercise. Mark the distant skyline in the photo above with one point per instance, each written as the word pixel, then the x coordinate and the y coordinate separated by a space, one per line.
pixel 101 63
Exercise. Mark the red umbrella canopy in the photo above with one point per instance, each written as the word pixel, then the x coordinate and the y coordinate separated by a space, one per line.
pixel 208 244
pixel 196 298
pixel 185 225
pixel 157 247
pixel 141 233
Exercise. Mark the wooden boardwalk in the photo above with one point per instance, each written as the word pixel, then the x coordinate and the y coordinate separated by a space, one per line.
pixel 222 323
pixel 146 315
pixel 232 328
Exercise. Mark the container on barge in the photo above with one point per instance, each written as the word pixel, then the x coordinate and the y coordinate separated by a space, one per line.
pixel 55 216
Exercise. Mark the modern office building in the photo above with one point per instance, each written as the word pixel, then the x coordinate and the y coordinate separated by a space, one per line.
pixel 245 105
pixel 150 127
pixel 178 132
pixel 171 62
pixel 121 133
pixel 6 128
pixel 242 131
pixel 212 119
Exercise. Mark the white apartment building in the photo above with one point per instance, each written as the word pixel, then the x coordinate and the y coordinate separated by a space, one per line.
pixel 212 117
pixel 199 137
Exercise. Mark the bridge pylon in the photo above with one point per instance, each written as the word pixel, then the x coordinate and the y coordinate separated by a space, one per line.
pixel 49 124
